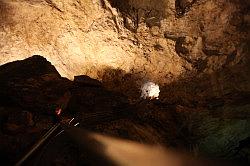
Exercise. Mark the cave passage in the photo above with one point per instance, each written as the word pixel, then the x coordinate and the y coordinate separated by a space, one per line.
pixel 167 75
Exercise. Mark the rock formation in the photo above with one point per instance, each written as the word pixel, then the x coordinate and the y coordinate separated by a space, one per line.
pixel 32 89
pixel 100 52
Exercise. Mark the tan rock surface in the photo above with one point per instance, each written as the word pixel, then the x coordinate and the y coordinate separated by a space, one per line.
pixel 78 37
pixel 161 41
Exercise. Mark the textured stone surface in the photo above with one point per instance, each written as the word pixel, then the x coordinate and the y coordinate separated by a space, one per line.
pixel 162 42
pixel 28 102
pixel 197 51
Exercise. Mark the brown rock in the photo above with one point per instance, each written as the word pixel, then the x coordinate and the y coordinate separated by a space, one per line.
pixel 155 30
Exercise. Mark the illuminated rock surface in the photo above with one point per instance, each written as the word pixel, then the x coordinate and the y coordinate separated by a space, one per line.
pixel 196 51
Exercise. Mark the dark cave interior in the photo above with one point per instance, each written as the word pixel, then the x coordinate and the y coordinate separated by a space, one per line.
pixel 197 51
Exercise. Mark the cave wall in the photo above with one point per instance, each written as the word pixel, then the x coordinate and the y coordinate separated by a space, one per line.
pixel 197 51
pixel 193 48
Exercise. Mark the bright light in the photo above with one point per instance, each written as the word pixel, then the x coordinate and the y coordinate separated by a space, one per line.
pixel 150 90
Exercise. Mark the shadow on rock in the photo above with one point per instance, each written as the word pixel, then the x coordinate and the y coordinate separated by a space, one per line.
pixel 5 14
pixel 191 113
